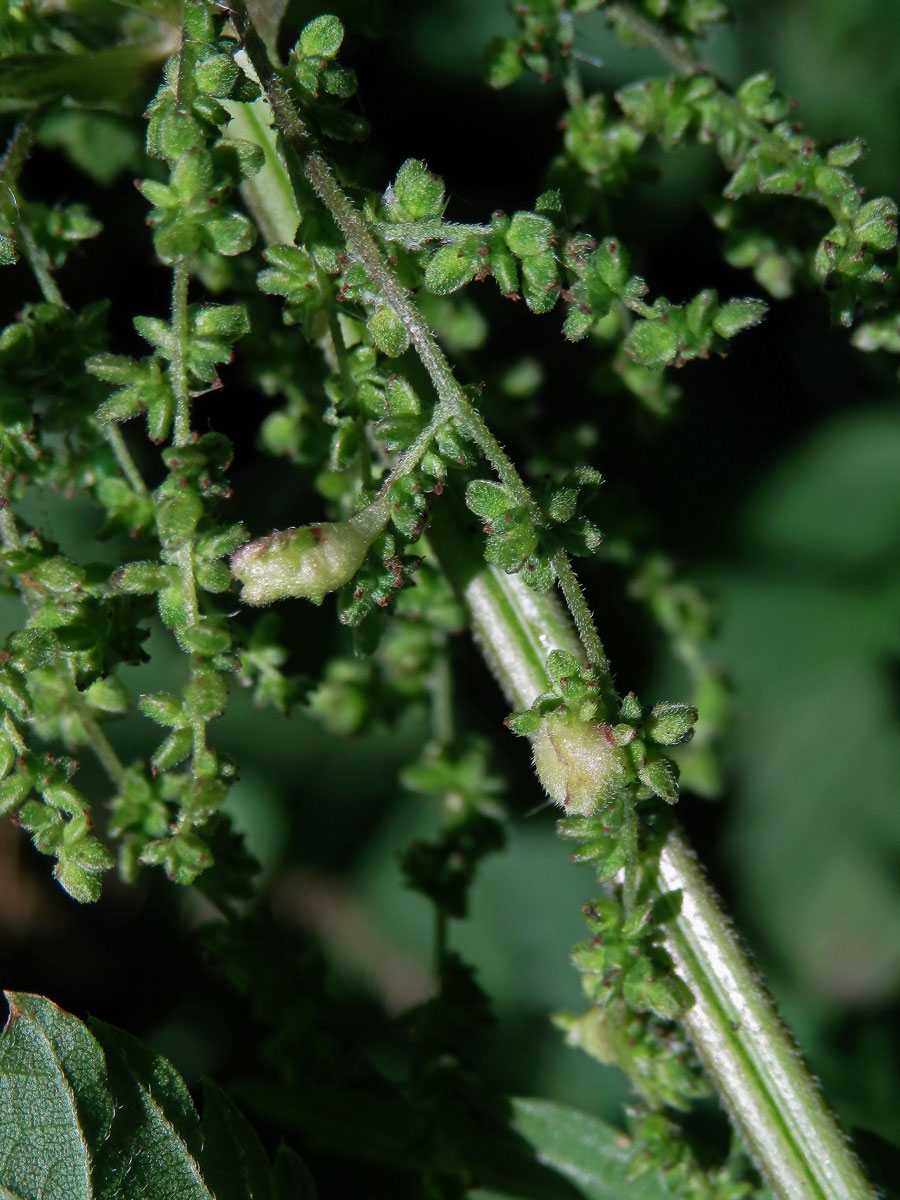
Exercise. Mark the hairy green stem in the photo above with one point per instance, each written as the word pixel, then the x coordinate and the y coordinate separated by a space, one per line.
pixel 451 396
pixel 119 447
pixel 40 265
pixel 440 686
pixel 671 51
pixel 97 739
pixel 649 34
pixel 584 621
pixel 732 1023
pixel 571 79
pixel 630 841
pixel 178 369
pixel 181 434
pixel 348 383
pixel 14 157
pixel 415 235
pixel 746 1050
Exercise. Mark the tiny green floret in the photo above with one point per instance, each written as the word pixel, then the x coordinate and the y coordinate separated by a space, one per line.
pixel 307 562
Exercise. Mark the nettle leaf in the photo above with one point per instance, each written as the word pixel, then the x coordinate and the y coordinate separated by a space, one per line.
pixel 583 1148
pixel 92 1113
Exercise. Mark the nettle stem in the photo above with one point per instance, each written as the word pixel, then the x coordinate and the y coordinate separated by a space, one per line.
pixel 14 158
pixel 178 370
pixel 669 49
pixel 745 1048
pixel 119 447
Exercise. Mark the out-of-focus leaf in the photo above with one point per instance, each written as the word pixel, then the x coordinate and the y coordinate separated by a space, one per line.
pixel 592 1155
pixel 162 10
pixel 101 144
pixel 86 1117
pixel 96 75
pixel 546 1151
pixel 836 501
pixel 812 627
pixel 55 1103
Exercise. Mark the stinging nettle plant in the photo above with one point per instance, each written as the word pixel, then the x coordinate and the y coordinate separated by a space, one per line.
pixel 328 315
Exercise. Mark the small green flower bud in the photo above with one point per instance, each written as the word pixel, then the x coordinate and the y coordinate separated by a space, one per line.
pixel 671 724
pixel 529 234
pixel 162 708
pixel 310 561
pixel 450 268
pixel 216 74
pixel 206 694
pixel 648 990
pixel 107 695
pixel 322 37
pixel 14 695
pixel 660 775
pixel 736 315
pixel 652 343
pixel 173 750
pixel 503 62
pixel 7 756
pixel 577 325
pixel 204 797
pixel 539 282
pixel 177 516
pixel 418 192
pixel 876 223
pixel 177 132
pixel 579 767
pixel 13 791
pixel 59 574
pixel 139 578
pixel 388 332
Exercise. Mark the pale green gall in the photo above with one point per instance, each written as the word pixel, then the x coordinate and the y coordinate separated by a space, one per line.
pixel 308 562
pixel 579 766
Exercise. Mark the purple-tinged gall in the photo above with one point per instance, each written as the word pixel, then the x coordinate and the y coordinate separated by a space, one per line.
pixel 578 764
